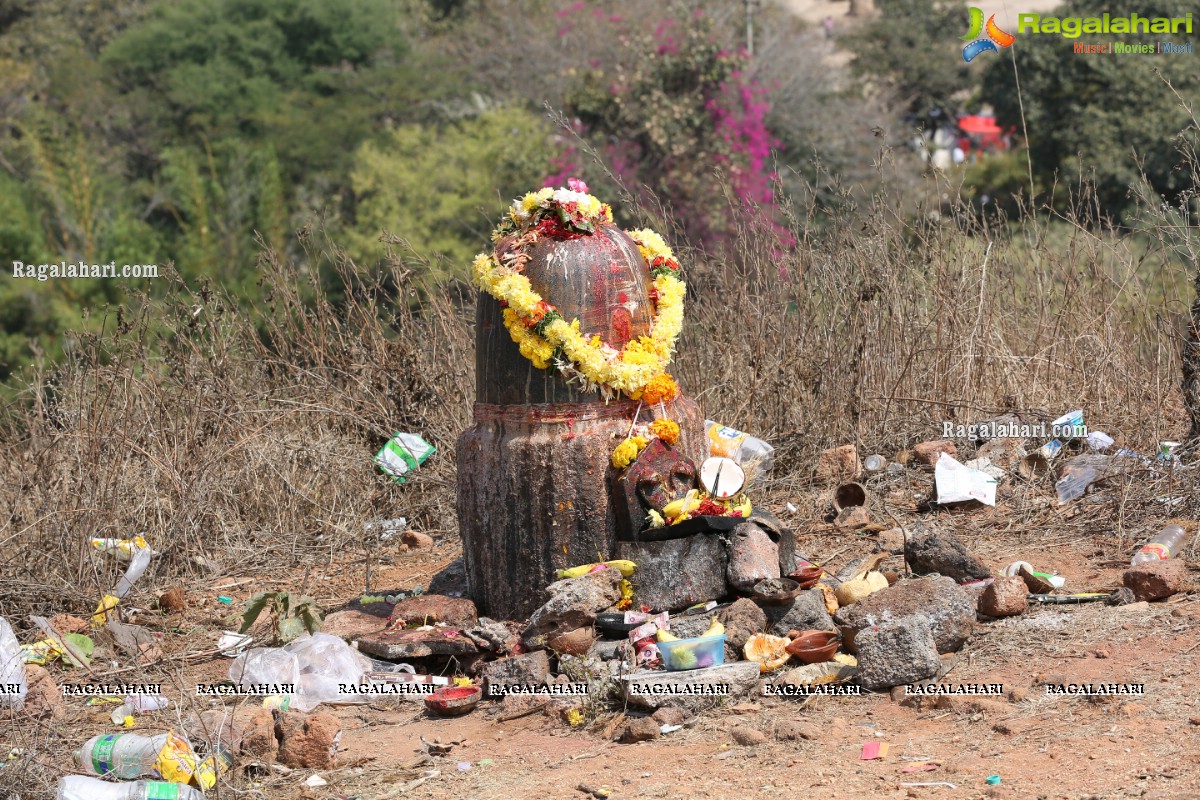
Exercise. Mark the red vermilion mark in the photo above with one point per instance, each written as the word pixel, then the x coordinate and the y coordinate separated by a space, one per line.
pixel 622 298
pixel 622 326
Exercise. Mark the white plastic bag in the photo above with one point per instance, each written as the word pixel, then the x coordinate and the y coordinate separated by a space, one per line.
pixel 13 686
pixel 957 482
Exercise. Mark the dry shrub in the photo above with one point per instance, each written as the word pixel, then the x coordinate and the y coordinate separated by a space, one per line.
pixel 246 437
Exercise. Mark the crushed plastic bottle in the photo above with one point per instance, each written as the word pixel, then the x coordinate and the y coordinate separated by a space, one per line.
pixel 13 686
pixel 1165 544
pixel 81 787
pixel 137 566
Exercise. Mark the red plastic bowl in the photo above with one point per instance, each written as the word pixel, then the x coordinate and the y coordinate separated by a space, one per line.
pixel 453 701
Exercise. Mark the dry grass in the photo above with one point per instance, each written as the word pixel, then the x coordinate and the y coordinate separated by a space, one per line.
pixel 247 436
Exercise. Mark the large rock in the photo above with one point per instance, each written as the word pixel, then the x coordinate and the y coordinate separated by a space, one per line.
pixel 806 612
pixel 527 669
pixel 1004 597
pixel 678 573
pixel 574 602
pixel 723 682
pixel 753 557
pixel 945 554
pixel 742 619
pixel 1156 579
pixel 946 608
pixel 430 609
pixel 351 624
pixel 308 741
pixel 837 464
pixel 405 645
pixel 895 653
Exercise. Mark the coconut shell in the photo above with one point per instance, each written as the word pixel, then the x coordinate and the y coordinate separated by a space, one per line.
pixel 860 586
pixel 769 651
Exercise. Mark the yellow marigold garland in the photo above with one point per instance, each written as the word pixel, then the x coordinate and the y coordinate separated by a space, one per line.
pixel 544 337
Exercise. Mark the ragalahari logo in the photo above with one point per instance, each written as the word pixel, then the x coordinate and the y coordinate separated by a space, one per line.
pixel 994 40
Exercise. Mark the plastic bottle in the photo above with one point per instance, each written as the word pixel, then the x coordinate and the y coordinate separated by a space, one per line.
pixel 81 787
pixel 122 755
pixel 13 686
pixel 747 450
pixel 1165 544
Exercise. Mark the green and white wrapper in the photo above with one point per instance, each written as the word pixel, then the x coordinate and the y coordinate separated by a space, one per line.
pixel 403 453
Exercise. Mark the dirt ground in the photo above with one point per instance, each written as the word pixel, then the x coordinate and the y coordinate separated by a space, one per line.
pixel 1040 746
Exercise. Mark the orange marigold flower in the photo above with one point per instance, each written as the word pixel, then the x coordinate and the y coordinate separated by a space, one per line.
pixel 661 388
pixel 666 430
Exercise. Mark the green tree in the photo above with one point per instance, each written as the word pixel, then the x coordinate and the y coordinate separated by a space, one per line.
pixel 1094 117
pixel 913 48
pixel 443 188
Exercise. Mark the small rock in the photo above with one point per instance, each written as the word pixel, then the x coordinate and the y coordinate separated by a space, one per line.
pixel 65 623
pixel 416 540
pixel 1156 579
pixel 891 541
pixel 1101 652
pixel 308 741
pixel 1004 453
pixel 671 715
pixel 249 730
pixel 1004 597
pixel 43 698
pixel 173 600
pixel 942 552
pixel 896 653
pixel 927 452
pixel 574 602
pixel 742 619
pixel 642 729
pixel 527 669
pixel 790 730
pixel 852 518
pixel 837 464
pixel 748 737
pixel 429 609
pixel 610 649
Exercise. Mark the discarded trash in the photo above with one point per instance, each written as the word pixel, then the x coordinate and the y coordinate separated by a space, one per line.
pixel 464 766
pixel 233 644
pixel 1166 451
pixel 315 782
pixel 752 453
pixel 849 495
pixel 454 701
pixel 122 549
pixel 791 508
pixel 386 529
pixel 985 465
pixel 81 787
pixel 929 783
pixel 1099 441
pixel 874 463
pixel 403 453
pixel 210 770
pixel 224 600
pixel 670 729
pixel 874 750
pixel 138 704
pixel 957 482
pixel 1067 599
pixel 316 664
pixel 1050 449
pixel 12 668
pixel 1165 544
pixel 1038 582
pixel 993 780
pixel 1075 479
pixel 1069 425
pixel 76 648
pixel 137 566
pixel 129 755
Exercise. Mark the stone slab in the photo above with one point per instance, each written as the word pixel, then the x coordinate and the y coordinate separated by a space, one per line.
pixel 740 677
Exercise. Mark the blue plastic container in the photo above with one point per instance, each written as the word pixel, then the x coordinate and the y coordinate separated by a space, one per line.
pixel 696 653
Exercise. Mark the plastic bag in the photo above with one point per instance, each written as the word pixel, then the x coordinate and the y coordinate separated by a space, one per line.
pixel 316 665
pixel 957 482
pixel 13 686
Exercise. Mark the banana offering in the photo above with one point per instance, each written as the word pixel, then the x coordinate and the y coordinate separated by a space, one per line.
pixel 625 567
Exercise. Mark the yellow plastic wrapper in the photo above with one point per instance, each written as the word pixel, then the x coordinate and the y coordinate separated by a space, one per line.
pixel 212 768
pixel 40 653
pixel 176 762
pixel 121 548
pixel 106 605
